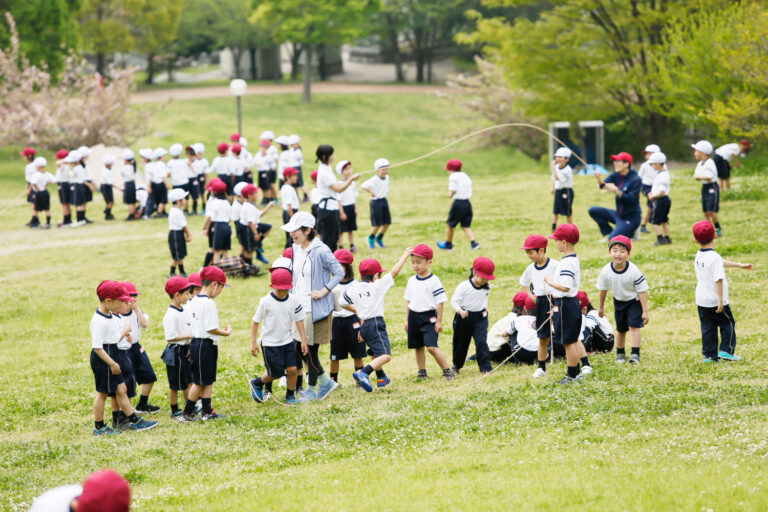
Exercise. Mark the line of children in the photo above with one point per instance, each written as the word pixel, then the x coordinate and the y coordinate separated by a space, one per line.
pixel 659 195
pixel 460 189
pixel 378 187
pixel 470 302
pixel 562 186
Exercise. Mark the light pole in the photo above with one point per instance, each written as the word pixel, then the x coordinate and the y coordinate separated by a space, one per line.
pixel 237 87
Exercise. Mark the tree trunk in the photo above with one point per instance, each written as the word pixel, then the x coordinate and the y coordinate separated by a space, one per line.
pixel 237 54
pixel 150 69
pixel 254 71
pixel 418 50
pixel 278 65
pixel 100 63
pixel 321 62
pixel 306 96
pixel 295 57
pixel 169 65
pixel 397 57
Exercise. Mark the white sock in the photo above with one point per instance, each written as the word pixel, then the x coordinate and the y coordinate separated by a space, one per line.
pixel 323 379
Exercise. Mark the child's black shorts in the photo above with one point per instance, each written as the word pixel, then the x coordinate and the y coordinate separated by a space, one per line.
pixel 660 210
pixel 64 192
pixel 645 190
pixel 566 319
pixel 129 192
pixel 177 244
pixel 300 178
pixel 374 333
pixel 421 329
pixel 723 167
pixel 180 374
pixel 460 213
pixel 240 233
pixel 710 197
pixel 222 236
pixel 106 192
pixel 142 368
pixel 380 212
pixel 351 223
pixel 193 188
pixel 88 192
pixel 105 381
pixel 563 202
pixel 627 313
pixel 159 193
pixel 272 176
pixel 203 358
pixel 77 194
pixel 264 180
pixel 542 317
pixel 278 359
pixel 42 201
pixel 126 370
pixel 344 342
pixel 248 240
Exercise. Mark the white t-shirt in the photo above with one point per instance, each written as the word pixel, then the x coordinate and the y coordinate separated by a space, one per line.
pixel 297 157
pixel 525 327
pixel 180 172
pixel 104 330
pixel 205 317
pixel 625 284
pixel 107 176
pixel 262 162
pixel 56 500
pixel 709 269
pixel 159 171
pixel 238 164
pixel 285 160
pixel 88 176
pixel 533 277
pixel 220 165
pixel 424 293
pixel 326 178
pixel 461 183
pixel 133 321
pixel 219 210
pixel 497 333
pixel 338 292
pixel 568 274
pixel 564 177
pixel 235 208
pixel 62 173
pixel 728 151
pixel 348 195
pixel 378 186
pixel 592 320
pixel 368 298
pixel 314 196
pixel 42 179
pixel 176 324
pixel 249 214
pixel 273 155
pixel 661 183
pixel 277 317
pixel 302 270
pixel 142 196
pixel 647 173
pixel 289 197
pixel 706 169
pixel 77 174
pixel 200 166
pixel 29 171
pixel 469 297
pixel 128 173
pixel 176 219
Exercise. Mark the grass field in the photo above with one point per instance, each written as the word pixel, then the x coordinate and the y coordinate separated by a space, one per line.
pixel 672 434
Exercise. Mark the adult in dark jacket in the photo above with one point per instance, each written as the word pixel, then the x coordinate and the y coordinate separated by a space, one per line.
pixel 625 184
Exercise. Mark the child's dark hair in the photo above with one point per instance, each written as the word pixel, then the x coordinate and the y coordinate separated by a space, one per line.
pixel 590 307
pixel 310 232
pixel 190 151
pixel 706 241
pixel 518 310
pixel 486 286
pixel 368 278
pixel 220 196
pixel 323 153
pixel 205 282
pixel 349 272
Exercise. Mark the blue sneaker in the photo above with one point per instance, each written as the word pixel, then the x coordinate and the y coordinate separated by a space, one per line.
pixel 261 258
pixel 142 424
pixel 447 246
pixel 212 416
pixel 177 413
pixel 325 390
pixel 380 241
pixel 291 400
pixel 307 396
pixel 362 379
pixel 371 242
pixel 380 383
pixel 708 360
pixel 728 357
pixel 105 431
pixel 256 393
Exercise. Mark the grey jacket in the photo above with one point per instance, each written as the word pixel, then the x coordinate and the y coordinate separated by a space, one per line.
pixel 326 273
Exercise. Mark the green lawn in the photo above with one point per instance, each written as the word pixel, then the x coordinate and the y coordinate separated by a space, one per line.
pixel 671 434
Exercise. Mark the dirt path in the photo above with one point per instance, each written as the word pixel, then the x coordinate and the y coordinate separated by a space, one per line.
pixel 263 89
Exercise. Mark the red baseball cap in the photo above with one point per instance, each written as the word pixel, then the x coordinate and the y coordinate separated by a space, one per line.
pixel 566 232
pixel 222 147
pixel 519 299
pixel 583 299
pixel 341 255
pixel 112 290
pixel 534 242
pixel 529 303
pixel 218 187
pixel 281 279
pixel 622 156
pixel 194 279
pixel 622 240
pixel 248 190
pixel 236 149
pixel 484 268
pixel 264 142
pixel 370 267
pixel 27 152
pixel 703 231
pixel 313 175
pixel 288 252
pixel 104 491
pixel 62 153
pixel 454 164
pixel 212 181
pixel 176 284
pixel 422 250
pixel 130 288
pixel 289 171
pixel 235 137
pixel 214 274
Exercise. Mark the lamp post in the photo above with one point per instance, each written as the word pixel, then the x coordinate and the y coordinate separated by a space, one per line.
pixel 237 88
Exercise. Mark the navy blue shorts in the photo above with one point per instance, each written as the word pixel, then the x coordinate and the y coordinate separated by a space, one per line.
pixel 77 194
pixel 278 359
pixel 344 342
pixel 627 313
pixel 300 178
pixel 102 375
pixel 460 213
pixel 222 236
pixel 159 193
pixel 142 368
pixel 374 333
pixel 241 232
pixel 351 223
pixel 88 192
pixel 272 176
pixel 180 374
pixel 177 244
pixel 645 190
pixel 194 188
pixel 31 196
pixel 227 179
pixel 129 192
pixel 264 180
pixel 723 167
pixel 239 179
pixel 203 358
pixel 64 192
pixel 380 212
pixel 201 184
pixel 126 370
pixel 563 202
pixel 42 201
pixel 566 320
pixel 710 197
pixel 106 192
pixel 542 317
pixel 421 329
pixel 660 210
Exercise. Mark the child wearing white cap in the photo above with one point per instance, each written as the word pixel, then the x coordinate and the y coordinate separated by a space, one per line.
pixel 706 173
pixel 128 175
pixel 178 232
pixel 562 186
pixel 297 160
pixel 40 181
pixel 200 167
pixel 378 187
pixel 647 175
pixel 179 169
pixel 659 196
pixel 106 185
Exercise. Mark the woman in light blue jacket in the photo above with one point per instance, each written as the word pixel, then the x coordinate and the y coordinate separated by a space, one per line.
pixel 315 273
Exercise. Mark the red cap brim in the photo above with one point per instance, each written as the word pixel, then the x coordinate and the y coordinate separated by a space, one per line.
pixel 489 277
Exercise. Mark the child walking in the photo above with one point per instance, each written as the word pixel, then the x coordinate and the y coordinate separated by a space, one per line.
pixel 630 300
pixel 562 186
pixel 178 232
pixel 706 173
pixel 348 212
pixel 659 194
pixel 470 302
pixel 346 325
pixel 460 189
pixel 712 296
pixel 378 187
pixel 424 298
pixel 178 334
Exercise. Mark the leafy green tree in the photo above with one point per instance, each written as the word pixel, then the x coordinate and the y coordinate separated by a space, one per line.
pixel 196 32
pixel 154 26
pixel 105 29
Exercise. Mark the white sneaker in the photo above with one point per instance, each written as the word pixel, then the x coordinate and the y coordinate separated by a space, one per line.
pixel 586 370
pixel 604 239
pixel 636 234
pixel 539 373
pixel 78 223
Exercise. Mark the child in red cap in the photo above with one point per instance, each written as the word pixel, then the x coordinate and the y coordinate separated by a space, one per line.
pixel 178 335
pixel 366 300
pixel 346 325
pixel 460 189
pixel 254 230
pixel 424 299
pixel 141 368
pixel 221 166
pixel 630 298
pixel 596 331
pixel 498 338
pixel 712 296
pixel 470 302
pixel 566 317
pixel 29 173
pixel 218 213
pixel 523 338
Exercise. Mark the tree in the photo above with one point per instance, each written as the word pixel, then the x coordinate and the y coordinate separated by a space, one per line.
pixel 46 28
pixel 154 27
pixel 234 29
pixel 196 32
pixel 105 29
pixel 309 23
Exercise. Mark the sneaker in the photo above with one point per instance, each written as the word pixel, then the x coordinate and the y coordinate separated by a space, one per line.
pixel 566 380
pixel 380 383
pixel 455 371
pixel 708 360
pixel 78 223
pixel 186 418
pixel 634 359
pixel 149 409
pixel 261 258
pixel 621 358
pixel 46 226
pixel 267 395
pixel 307 396
pixel 586 370
pixel 63 224
pixel 325 390
pixel 104 431
pixel 352 249
pixel 142 424
pixel 447 246
pixel 362 379
pixel 291 400
pixel 256 393
pixel 371 242
pixel 667 240
pixel 539 373
pixel 728 357
pixel 474 245
pixel 659 241
pixel 448 375
pixel 636 234
pixel 644 229
pixel 604 239
pixel 212 416
pixel 380 241
pixel 421 375
pixel 177 414
pixel 718 232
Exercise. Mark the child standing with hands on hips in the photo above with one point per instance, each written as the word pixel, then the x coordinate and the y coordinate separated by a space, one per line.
pixel 470 301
